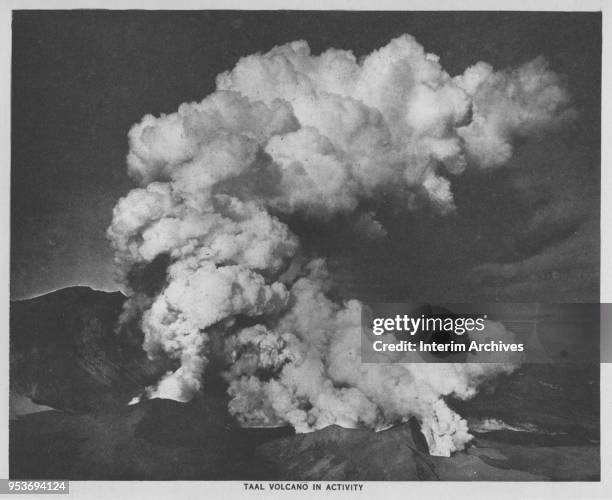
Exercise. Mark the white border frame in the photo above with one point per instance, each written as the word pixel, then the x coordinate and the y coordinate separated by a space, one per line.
pixel 233 489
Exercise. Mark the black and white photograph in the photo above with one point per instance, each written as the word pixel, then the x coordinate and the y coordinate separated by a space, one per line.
pixel 209 208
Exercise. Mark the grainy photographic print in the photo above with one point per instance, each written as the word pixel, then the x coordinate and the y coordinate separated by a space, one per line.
pixel 209 207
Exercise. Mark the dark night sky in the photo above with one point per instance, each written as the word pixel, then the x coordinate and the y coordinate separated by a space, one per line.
pixel 82 78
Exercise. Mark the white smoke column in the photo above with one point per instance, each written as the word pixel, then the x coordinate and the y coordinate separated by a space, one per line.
pixel 289 133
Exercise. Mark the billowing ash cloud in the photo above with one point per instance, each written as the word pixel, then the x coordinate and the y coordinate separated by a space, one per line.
pixel 213 270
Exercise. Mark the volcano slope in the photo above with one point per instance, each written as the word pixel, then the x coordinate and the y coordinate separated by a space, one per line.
pixel 540 423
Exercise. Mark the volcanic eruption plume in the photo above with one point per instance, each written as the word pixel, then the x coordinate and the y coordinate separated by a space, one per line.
pixel 211 266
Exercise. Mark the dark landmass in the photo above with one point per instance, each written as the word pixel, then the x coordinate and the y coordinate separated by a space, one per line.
pixel 65 351
pixel 66 354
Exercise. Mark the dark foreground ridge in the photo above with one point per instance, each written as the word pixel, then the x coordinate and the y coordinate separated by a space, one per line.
pixel 66 354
